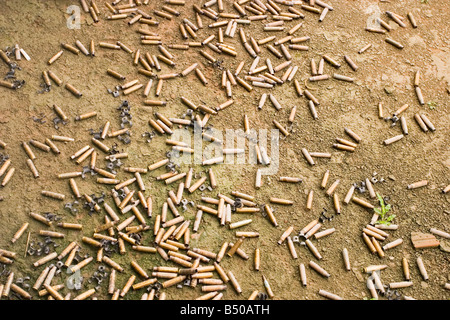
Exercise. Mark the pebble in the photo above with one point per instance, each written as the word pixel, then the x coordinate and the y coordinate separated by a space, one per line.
pixel 424 284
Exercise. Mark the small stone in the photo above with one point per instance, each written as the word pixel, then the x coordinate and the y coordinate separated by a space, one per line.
pixel 358 274
pixel 444 246
pixel 424 284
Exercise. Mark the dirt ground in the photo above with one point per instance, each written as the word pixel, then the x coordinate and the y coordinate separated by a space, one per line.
pixel 385 75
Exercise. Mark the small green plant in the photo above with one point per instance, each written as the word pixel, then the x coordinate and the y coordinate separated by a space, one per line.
pixel 384 218
pixel 424 1
pixel 432 105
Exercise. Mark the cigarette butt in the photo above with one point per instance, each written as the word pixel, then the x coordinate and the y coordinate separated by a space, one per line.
pixel 308 156
pixel 375 30
pixel 309 200
pixel 350 62
pixel 402 284
pixel 427 122
pixel 412 20
pixel 324 233
pixel 53 195
pixel 349 195
pixel 404 125
pixel 73 90
pixel 253 295
pixel 380 110
pixel 353 135
pixel 19 232
pixel 313 249
pixel 292 248
pixel 55 57
pixel 333 187
pixel 257 260
pixel 393 244
pixel 420 122
pixel 440 233
pixel 343 78
pixel 393 139
pixel 33 168
pixel 377 246
pixel 302 271
pixel 285 234
pixel 396 44
pixel 378 283
pixel 369 186
pixel 267 286
pixel 362 50
pixel 419 95
pixel 336 202
pixel 369 243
